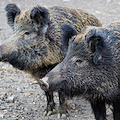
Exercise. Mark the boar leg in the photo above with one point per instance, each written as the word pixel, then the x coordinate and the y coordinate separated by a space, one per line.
pixel 50 103
pixel 99 110
pixel 116 109
pixel 62 105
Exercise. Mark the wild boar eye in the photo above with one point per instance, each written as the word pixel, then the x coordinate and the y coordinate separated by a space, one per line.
pixel 27 33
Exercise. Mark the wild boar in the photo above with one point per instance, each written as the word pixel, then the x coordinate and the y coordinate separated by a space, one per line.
pixel 91 69
pixel 36 45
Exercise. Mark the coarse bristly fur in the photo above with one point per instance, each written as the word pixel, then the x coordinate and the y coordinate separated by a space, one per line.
pixel 91 69
pixel 36 44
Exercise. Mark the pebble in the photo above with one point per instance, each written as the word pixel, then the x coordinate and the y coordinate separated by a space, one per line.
pixel 10 99
pixel 47 118
pixel 75 116
pixel 34 82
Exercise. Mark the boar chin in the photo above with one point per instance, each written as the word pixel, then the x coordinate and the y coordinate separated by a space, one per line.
pixel 13 59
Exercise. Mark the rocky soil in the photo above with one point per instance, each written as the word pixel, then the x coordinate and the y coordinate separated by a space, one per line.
pixel 20 96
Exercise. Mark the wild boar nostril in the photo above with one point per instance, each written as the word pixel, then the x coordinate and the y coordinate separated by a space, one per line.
pixel 43 87
pixel 27 33
pixel 43 83
pixel 79 61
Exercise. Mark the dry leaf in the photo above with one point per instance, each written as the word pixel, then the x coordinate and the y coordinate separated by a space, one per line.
pixel 4 89
pixel 17 115
pixel 34 102
pixel 73 108
pixel 30 94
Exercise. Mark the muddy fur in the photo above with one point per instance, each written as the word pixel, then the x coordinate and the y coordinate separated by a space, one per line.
pixel 91 69
pixel 36 43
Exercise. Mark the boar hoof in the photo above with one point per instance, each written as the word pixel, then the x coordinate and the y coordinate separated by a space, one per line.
pixel 49 110
pixel 62 116
pixel 47 113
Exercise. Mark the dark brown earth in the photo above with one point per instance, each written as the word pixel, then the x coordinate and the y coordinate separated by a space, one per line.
pixel 21 98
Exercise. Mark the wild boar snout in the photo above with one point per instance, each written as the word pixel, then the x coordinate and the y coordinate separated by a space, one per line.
pixel 44 83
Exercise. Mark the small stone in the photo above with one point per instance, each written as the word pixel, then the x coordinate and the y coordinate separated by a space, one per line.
pixel 34 82
pixel 1 116
pixel 75 116
pixel 10 99
pixel 47 118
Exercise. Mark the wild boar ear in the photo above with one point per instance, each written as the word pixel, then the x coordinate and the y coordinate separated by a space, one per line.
pixel 96 43
pixel 40 15
pixel 12 11
pixel 67 33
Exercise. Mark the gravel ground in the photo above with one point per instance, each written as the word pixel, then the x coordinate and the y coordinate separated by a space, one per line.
pixel 20 96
